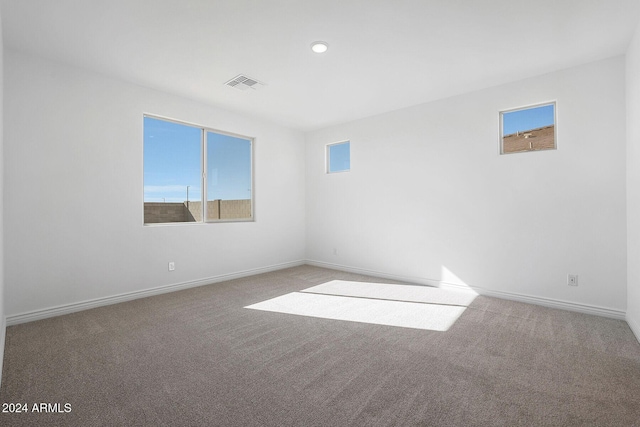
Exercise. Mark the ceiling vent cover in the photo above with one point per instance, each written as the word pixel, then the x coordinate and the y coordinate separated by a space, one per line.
pixel 243 82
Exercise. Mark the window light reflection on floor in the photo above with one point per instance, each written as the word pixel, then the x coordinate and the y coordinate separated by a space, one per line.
pixel 408 306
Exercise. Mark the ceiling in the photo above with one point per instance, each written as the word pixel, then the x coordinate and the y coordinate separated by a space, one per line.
pixel 383 55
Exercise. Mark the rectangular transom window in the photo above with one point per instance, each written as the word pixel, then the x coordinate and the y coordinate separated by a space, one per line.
pixel 338 157
pixel 186 164
pixel 531 128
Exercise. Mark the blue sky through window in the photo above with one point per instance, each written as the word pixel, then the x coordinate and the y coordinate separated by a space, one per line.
pixel 229 167
pixel 173 162
pixel 527 119
pixel 339 157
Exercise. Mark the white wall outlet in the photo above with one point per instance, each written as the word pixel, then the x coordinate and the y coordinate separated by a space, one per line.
pixel 172 266
pixel 572 279
pixel 335 251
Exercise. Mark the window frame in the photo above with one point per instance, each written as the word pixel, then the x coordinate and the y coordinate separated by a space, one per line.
pixel 327 152
pixel 203 172
pixel 501 135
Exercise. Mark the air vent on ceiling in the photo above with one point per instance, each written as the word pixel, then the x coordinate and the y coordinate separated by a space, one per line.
pixel 243 82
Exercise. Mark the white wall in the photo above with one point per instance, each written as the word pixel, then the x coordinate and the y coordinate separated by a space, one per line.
pixel 633 184
pixel 73 195
pixel 2 299
pixel 429 198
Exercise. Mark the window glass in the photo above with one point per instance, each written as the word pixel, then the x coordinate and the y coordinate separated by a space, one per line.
pixel 528 129
pixel 338 157
pixel 172 171
pixel 228 177
pixel 182 162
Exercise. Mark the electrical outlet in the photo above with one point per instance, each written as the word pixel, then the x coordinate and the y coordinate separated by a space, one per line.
pixel 572 279
pixel 172 266
pixel 335 251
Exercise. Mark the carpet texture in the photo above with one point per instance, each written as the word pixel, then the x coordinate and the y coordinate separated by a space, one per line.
pixel 198 358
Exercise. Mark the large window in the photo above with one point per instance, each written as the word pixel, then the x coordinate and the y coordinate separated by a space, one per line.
pixel 526 129
pixel 186 164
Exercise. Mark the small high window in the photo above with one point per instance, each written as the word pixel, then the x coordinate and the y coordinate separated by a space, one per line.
pixel 526 129
pixel 338 157
pixel 186 164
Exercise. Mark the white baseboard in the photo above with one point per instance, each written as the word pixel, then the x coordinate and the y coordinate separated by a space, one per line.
pixel 559 304
pixel 128 296
pixel 545 302
pixel 635 327
pixel 381 274
pixel 99 302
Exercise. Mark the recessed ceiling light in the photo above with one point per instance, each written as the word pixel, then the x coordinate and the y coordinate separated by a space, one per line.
pixel 319 47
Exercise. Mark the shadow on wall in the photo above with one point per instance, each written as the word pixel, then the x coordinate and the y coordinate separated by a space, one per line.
pixel 155 212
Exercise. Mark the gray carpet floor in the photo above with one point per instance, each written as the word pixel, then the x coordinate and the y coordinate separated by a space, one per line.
pixel 198 358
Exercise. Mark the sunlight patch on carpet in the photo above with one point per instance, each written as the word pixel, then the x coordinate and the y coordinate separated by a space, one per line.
pixel 385 291
pixel 405 306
